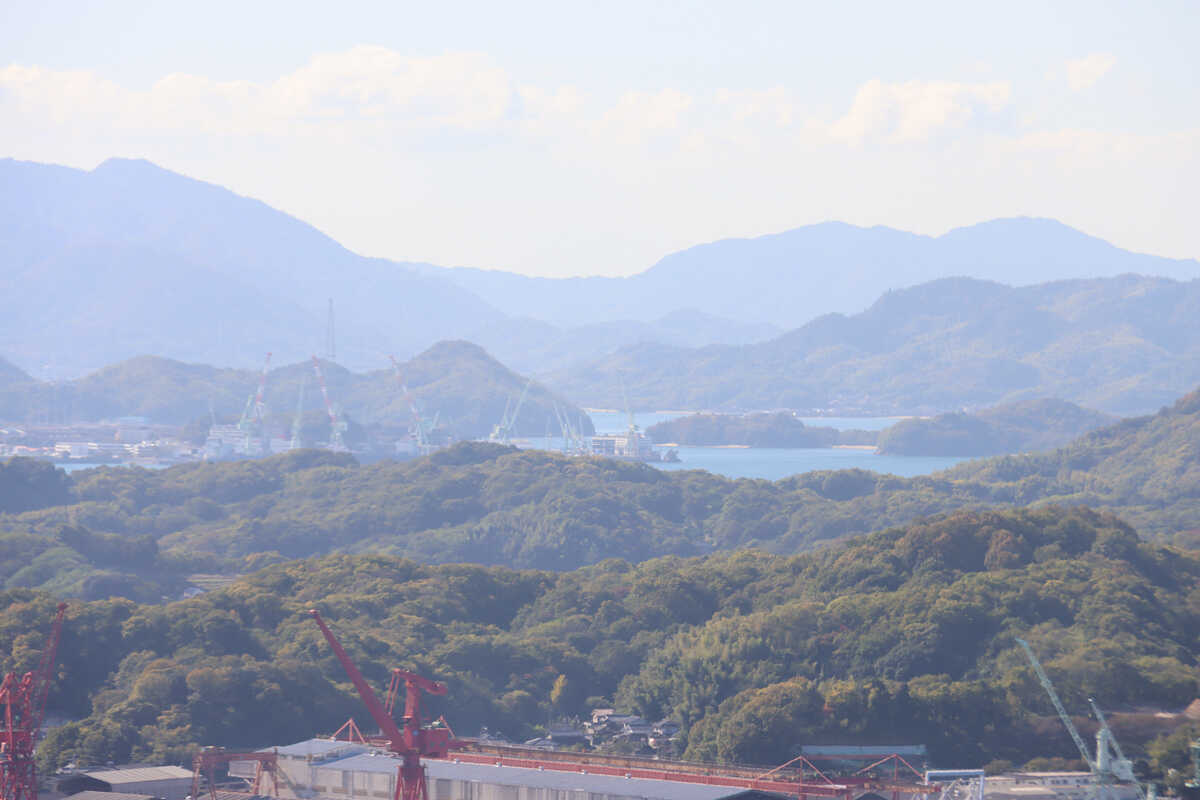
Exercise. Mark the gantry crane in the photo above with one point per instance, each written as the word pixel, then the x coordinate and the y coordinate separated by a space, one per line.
pixel 410 742
pixel 23 700
pixel 208 759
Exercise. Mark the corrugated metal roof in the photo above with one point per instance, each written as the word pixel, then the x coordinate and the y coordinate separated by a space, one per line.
pixel 318 747
pixel 113 777
pixel 549 779
pixel 93 795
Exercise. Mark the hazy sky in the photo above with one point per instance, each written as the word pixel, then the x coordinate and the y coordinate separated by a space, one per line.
pixel 563 138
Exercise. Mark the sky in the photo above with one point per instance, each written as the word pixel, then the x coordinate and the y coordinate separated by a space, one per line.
pixel 560 138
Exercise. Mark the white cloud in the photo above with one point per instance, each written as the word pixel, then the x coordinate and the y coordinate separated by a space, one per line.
pixel 915 110
pixel 1082 73
pixel 455 90
pixel 554 180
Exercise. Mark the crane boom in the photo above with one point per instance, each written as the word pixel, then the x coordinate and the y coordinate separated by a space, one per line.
pixel 260 407
pixel 386 724
pixel 45 667
pixel 418 423
pixel 1044 679
pixel 414 741
pixel 335 424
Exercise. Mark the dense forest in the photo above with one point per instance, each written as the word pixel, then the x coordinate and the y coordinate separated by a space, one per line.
pixel 530 509
pixel 1018 427
pixel 903 636
pixel 457 382
pixel 763 429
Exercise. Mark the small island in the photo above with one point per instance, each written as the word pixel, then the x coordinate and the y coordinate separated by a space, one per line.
pixel 759 429
pixel 1024 426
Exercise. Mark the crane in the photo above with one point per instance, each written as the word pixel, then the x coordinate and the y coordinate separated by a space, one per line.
pixel 260 408
pixel 1107 747
pixel 336 426
pixel 1102 767
pixel 503 432
pixel 419 433
pixel 23 699
pixel 298 420
pixel 410 741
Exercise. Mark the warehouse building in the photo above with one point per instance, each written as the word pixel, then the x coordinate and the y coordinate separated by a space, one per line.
pixel 330 770
pixel 168 783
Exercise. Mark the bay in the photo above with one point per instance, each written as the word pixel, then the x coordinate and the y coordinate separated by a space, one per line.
pixel 770 463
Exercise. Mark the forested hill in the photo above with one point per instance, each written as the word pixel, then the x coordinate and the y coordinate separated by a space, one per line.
pixel 457 381
pixel 496 505
pixel 11 373
pixel 1124 345
pixel 1018 427
pixel 904 636
pixel 764 429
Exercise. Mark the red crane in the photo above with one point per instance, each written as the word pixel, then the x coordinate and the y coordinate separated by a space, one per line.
pixel 411 741
pixel 23 699
pixel 207 760
pixel 335 425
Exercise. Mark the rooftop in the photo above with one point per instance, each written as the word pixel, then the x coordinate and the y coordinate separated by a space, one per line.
pixel 548 779
pixel 92 795
pixel 320 747
pixel 119 775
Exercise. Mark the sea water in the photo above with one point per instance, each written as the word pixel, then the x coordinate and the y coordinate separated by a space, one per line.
pixel 774 463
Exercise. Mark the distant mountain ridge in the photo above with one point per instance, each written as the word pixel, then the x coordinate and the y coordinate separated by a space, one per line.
pixel 1123 345
pixel 789 278
pixel 130 258
pixel 454 380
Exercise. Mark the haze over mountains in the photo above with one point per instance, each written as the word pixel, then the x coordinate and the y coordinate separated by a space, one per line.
pixel 1123 345
pixel 131 259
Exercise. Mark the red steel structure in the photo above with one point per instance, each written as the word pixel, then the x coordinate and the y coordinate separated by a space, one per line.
pixel 23 699
pixel 207 760
pixel 411 741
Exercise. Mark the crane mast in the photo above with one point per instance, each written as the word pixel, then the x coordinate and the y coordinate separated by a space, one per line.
pixel 298 420
pixel 23 700
pixel 260 407
pixel 418 424
pixel 335 424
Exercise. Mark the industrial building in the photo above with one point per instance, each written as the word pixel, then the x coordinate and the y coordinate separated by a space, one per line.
pixel 167 783
pixel 320 768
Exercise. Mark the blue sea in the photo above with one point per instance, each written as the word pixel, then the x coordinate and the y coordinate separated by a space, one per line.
pixel 772 463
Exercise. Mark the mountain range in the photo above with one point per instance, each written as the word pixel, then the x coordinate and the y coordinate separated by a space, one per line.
pixel 1123 345
pixel 131 259
pixel 787 279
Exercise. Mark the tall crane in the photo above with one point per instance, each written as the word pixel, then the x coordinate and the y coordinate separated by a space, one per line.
pixel 419 433
pixel 410 741
pixel 23 700
pixel 1109 757
pixel 298 420
pixel 503 432
pixel 336 426
pixel 1104 771
pixel 260 408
